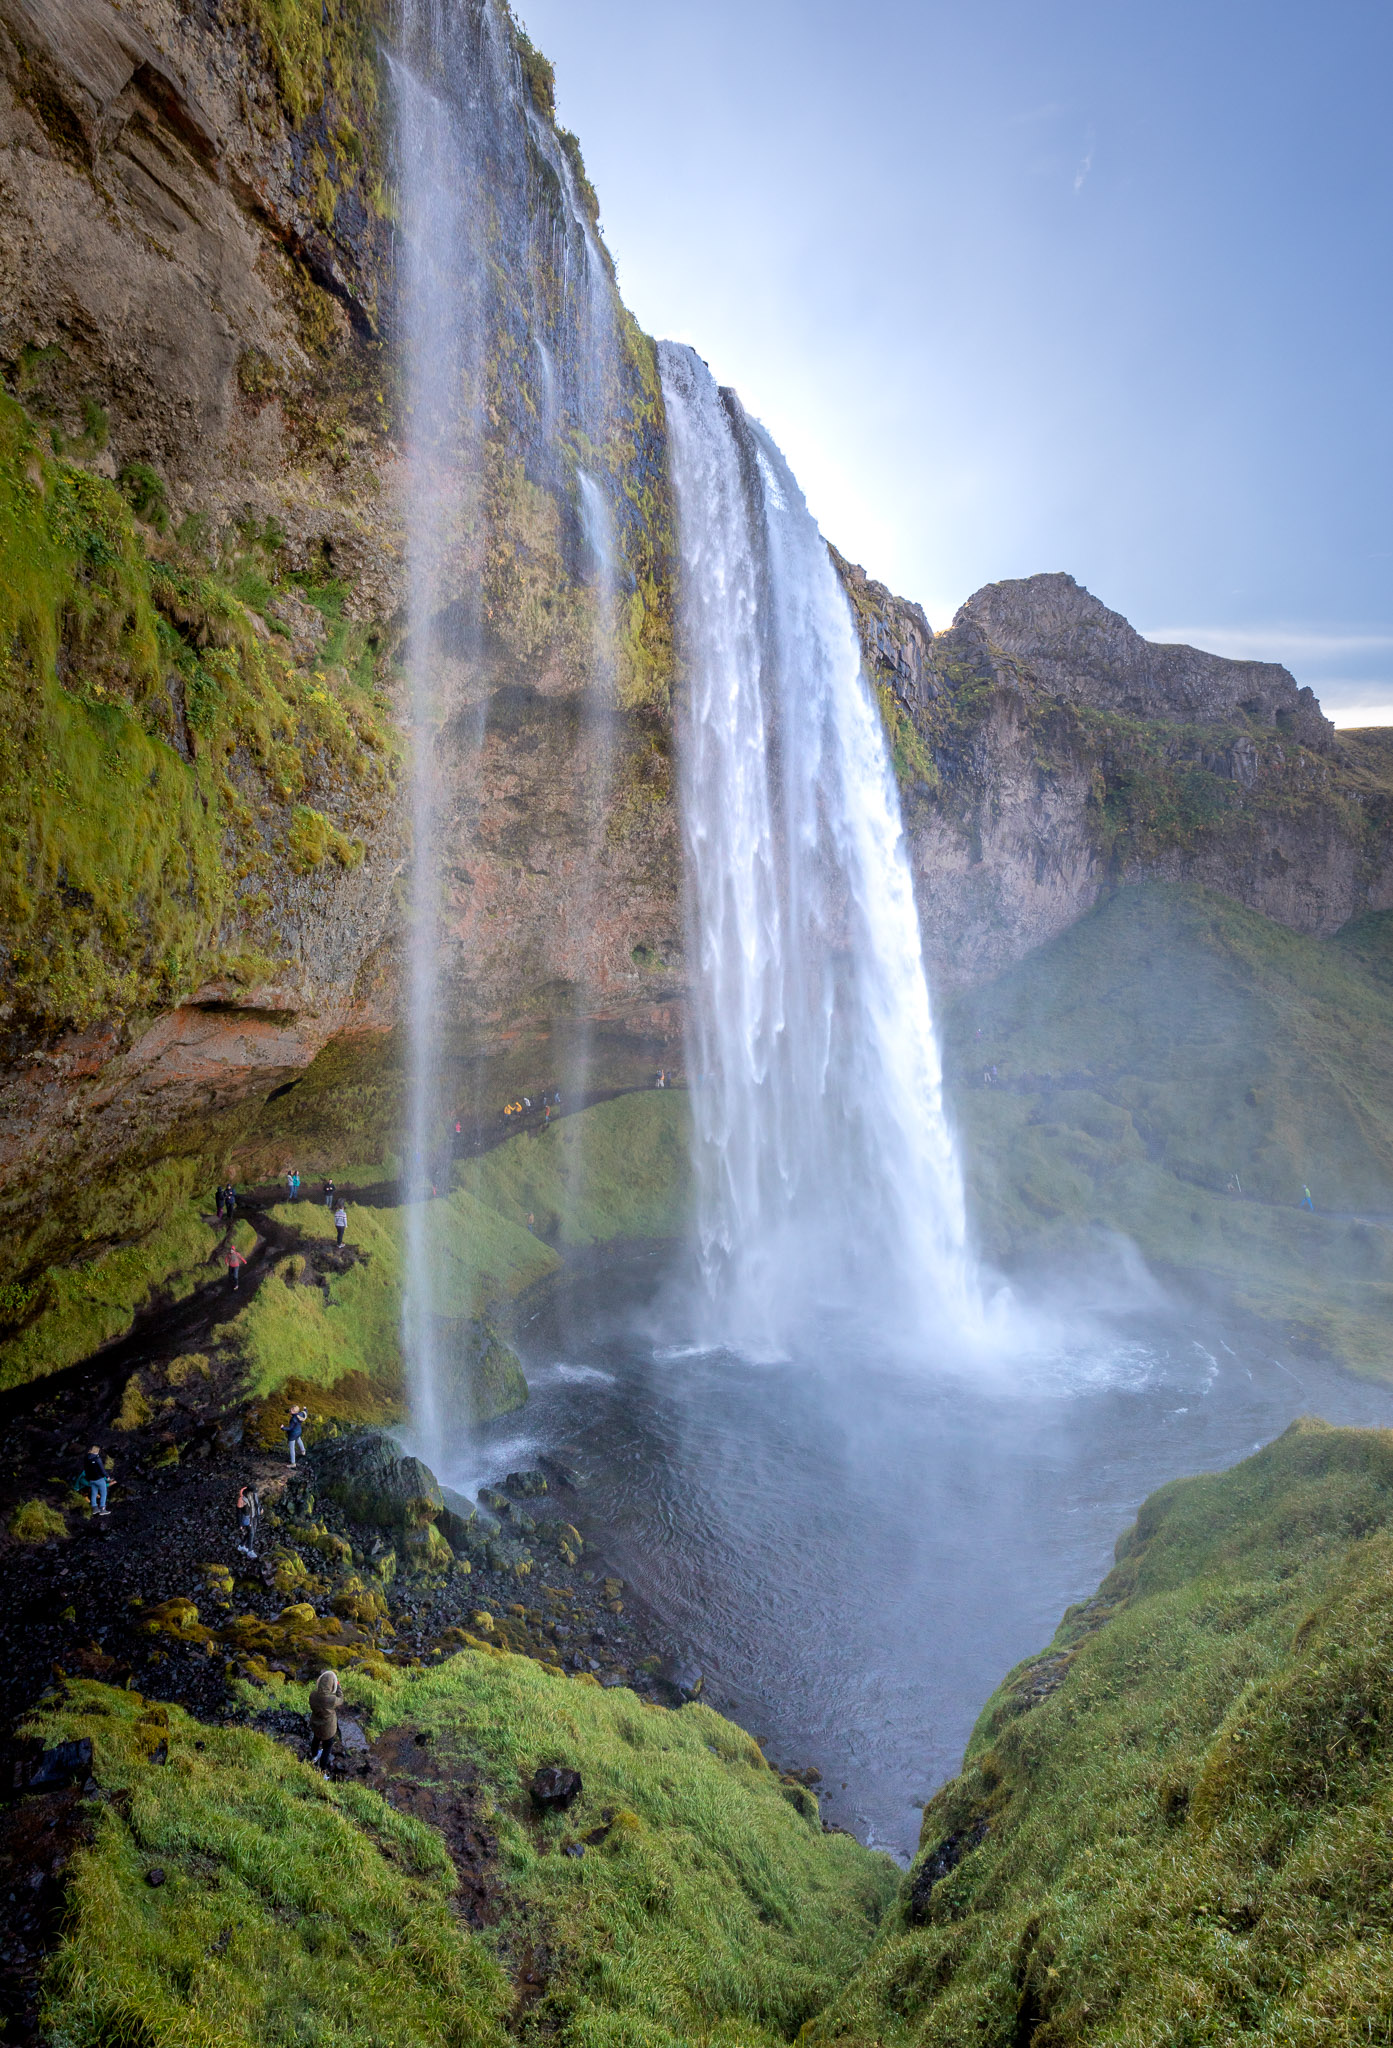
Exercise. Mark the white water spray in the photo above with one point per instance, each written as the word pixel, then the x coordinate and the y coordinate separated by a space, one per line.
pixel 827 1176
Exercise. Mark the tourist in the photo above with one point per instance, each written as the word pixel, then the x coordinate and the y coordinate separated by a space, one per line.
pixel 94 1478
pixel 1306 1201
pixel 220 1196
pixel 328 1194
pixel 234 1261
pixel 293 1429
pixel 341 1219
pixel 325 1701
pixel 248 1516
pixel 229 1200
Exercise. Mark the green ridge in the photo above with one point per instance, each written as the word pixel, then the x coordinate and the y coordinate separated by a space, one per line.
pixel 712 1910
pixel 1174 1824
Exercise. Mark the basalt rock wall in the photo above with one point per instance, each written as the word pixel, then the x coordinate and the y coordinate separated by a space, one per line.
pixel 1048 754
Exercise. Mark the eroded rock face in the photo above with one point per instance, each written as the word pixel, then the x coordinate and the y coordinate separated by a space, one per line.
pixel 1048 753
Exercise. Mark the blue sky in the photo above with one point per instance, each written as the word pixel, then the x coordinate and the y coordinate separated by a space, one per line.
pixel 1096 287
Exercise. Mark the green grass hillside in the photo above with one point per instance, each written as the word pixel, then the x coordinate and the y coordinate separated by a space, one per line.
pixel 621 1169
pixel 1176 1824
pixel 707 1905
pixel 1166 1043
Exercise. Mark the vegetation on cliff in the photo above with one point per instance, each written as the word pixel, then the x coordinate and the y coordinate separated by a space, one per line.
pixel 1178 1069
pixel 705 1904
pixel 1173 1824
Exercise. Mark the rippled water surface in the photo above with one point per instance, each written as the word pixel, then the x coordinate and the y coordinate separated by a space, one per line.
pixel 853 1554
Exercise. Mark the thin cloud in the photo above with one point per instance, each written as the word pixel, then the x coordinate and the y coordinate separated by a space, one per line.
pixel 1081 174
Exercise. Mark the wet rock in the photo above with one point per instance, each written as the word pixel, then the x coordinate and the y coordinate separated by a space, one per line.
pixel 681 1676
pixel 67 1763
pixel 573 1849
pixel 154 1877
pixel 495 1500
pixel 939 1863
pixel 526 1485
pixel 554 1788
pixel 373 1480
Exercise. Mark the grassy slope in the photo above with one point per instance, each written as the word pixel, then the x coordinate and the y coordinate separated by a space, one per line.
pixel 714 1911
pixel 620 1169
pixel 1169 1040
pixel 617 1170
pixel 1188 1838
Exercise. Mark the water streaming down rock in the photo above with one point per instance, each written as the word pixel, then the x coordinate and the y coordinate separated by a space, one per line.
pixel 827 1177
pixel 508 318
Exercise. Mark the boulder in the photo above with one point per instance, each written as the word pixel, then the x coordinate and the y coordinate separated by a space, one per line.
pixel 464 1525
pixel 374 1480
pixel 554 1788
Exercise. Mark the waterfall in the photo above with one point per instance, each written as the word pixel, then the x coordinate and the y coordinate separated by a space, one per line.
pixel 443 328
pixel 827 1178
pixel 508 322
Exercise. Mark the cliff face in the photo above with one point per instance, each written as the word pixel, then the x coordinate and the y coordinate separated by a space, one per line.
pixel 1048 753
pixel 203 618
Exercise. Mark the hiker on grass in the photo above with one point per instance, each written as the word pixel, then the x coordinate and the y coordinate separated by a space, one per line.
pixel 293 1428
pixel 325 1701
pixel 341 1219
pixel 94 1477
pixel 234 1261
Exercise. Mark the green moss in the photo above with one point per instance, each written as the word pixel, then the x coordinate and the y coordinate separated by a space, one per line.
pixel 117 893
pixel 86 1304
pixel 1166 1052
pixel 288 1911
pixel 313 838
pixel 913 763
pixel 705 1909
pixel 320 1335
pixel 34 1521
pixel 1173 1824
pixel 620 1169
pixel 320 47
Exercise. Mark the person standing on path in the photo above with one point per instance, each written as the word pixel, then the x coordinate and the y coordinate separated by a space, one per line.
pixel 294 1430
pixel 325 1701
pixel 94 1478
pixel 328 1194
pixel 234 1261
pixel 248 1515
pixel 341 1219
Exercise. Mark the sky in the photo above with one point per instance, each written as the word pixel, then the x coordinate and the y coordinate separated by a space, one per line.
pixel 1080 284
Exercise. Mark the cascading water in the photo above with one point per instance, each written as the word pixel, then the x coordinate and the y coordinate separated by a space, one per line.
pixel 826 1174
pixel 508 318
pixel 442 321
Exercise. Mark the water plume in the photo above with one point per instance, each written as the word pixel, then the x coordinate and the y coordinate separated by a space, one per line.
pixel 827 1179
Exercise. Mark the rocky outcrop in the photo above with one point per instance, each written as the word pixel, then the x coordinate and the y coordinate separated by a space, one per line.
pixel 1047 753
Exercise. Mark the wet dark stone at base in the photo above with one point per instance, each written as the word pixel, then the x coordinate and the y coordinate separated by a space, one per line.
pixel 554 1788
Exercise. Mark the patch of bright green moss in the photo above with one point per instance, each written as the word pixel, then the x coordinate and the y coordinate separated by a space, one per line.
pixel 620 1169
pixel 711 1910
pixel 288 1911
pixel 319 1336
pixel 87 1304
pixel 1174 1824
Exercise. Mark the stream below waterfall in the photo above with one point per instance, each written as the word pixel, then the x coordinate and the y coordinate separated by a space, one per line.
pixel 855 1556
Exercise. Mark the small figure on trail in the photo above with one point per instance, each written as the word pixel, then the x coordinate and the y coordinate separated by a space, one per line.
pixel 527 1102
pixel 292 1182
pixel 328 1194
pixel 229 1199
pixel 220 1196
pixel 341 1219
pixel 1306 1201
pixel 293 1428
pixel 547 1118
pixel 325 1701
pixel 94 1477
pixel 234 1261
pixel 248 1517
pixel 532 1223
pixel 457 1130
